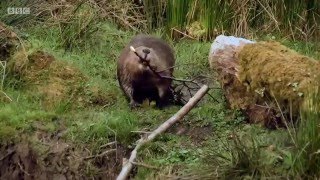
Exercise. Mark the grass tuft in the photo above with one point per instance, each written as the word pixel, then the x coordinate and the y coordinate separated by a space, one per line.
pixel 306 162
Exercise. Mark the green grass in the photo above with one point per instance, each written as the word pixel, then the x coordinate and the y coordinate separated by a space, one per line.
pixel 19 116
pixel 307 139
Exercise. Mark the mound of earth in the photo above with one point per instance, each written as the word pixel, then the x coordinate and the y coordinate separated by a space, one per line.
pixel 57 81
pixel 36 153
pixel 46 156
pixel 42 75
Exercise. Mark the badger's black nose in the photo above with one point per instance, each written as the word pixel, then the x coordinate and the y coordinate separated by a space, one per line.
pixel 146 51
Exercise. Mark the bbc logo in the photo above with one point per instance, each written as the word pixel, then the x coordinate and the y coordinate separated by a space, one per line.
pixel 18 10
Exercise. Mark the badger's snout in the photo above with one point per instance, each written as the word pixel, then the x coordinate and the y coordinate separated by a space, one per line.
pixel 146 59
pixel 146 51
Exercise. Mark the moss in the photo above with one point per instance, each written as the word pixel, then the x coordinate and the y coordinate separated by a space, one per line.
pixel 56 82
pixel 271 71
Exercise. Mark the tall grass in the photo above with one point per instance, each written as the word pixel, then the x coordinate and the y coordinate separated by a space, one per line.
pixel 78 25
pixel 274 155
pixel 307 153
pixel 15 19
pixel 297 19
pixel 155 12
pixel 176 15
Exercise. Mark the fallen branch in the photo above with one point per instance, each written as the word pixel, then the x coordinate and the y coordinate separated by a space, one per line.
pixel 163 127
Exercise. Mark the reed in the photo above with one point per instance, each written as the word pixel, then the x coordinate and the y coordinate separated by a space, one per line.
pixel 176 16
pixel 296 19
pixel 215 15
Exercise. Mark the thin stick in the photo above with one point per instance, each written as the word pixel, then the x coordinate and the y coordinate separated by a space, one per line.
pixel 284 120
pixel 271 16
pixel 6 95
pixel 8 154
pixel 162 128
pixel 108 144
pixel 174 29
pixel 141 132
pixel 100 155
pixel 175 67
pixel 21 168
pixel 179 80
pixel 4 66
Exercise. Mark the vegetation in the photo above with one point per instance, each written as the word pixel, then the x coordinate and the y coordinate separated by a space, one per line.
pixel 88 111
pixel 205 19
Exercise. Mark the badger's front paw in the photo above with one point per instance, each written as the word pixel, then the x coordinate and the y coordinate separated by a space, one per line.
pixel 160 104
pixel 134 104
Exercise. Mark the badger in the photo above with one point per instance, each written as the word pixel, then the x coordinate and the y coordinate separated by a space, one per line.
pixel 141 80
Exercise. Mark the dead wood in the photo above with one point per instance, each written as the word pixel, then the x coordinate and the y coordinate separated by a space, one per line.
pixel 162 128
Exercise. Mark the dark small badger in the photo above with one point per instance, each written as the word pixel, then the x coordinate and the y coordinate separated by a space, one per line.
pixel 135 77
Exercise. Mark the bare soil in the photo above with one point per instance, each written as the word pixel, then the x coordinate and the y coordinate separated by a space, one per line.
pixel 47 156
pixel 197 134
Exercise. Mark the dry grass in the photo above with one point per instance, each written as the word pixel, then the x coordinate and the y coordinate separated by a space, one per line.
pixel 298 20
pixel 126 13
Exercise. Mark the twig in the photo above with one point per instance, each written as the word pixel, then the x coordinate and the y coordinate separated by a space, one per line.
pixel 184 33
pixel 21 168
pixel 4 66
pixel 108 144
pixel 124 21
pixel 284 119
pixel 175 66
pixel 8 154
pixel 141 132
pixel 271 16
pixel 162 128
pixel 213 98
pixel 180 80
pixel 99 155
pixel 6 95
